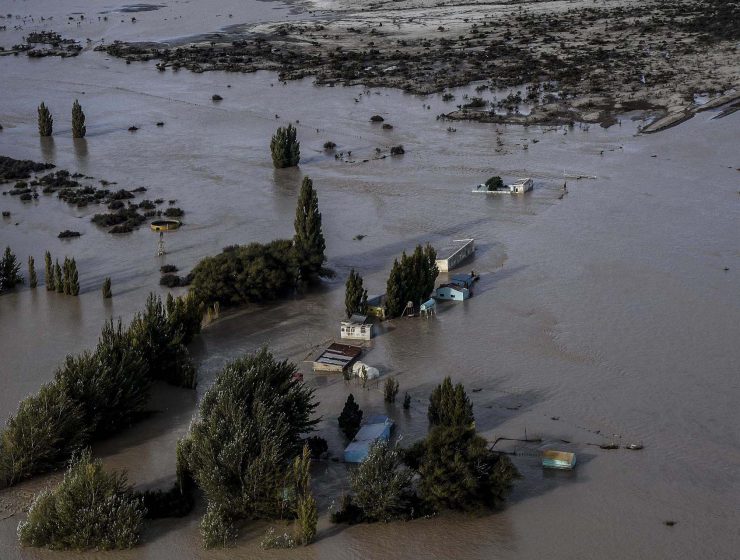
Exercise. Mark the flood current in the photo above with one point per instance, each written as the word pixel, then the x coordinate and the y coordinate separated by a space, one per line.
pixel 610 314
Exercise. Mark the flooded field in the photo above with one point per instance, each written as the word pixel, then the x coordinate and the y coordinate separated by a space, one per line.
pixel 610 314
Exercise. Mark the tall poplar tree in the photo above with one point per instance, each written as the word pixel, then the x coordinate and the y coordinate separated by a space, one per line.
pixel 309 241
pixel 78 121
pixel 67 273
pixel 58 279
pixel 394 302
pixel 49 272
pixel 74 281
pixel 32 279
pixel 355 295
pixel 9 271
pixel 46 122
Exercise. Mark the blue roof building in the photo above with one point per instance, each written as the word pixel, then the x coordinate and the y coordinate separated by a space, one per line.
pixel 377 428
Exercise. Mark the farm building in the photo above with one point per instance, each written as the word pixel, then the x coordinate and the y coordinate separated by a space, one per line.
pixel 356 328
pixel 465 280
pixel 454 254
pixel 377 428
pixel 376 306
pixel 453 292
pixel 429 307
pixel 521 186
pixel 337 358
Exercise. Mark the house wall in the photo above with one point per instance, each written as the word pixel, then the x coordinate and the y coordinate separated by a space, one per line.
pixel 356 332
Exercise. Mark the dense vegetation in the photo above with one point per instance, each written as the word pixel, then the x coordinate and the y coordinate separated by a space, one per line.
pixel 240 448
pixel 355 295
pixel 17 169
pixel 451 469
pixel 98 393
pixel 411 279
pixel 257 273
pixel 285 149
pixel 9 271
pixel 89 509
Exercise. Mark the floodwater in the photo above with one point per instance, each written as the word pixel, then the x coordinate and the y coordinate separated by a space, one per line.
pixel 606 315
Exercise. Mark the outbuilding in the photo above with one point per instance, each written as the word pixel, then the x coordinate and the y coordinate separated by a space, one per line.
pixel 376 306
pixel 454 254
pixel 337 358
pixel 453 292
pixel 356 328
pixel 377 428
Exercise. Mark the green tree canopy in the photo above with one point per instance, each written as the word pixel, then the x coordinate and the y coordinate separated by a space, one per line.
pixel 9 271
pixel 309 238
pixel 78 121
pixel 89 509
pixel 355 295
pixel 458 471
pixel 248 431
pixel 450 406
pixel 411 279
pixel 45 121
pixel 350 418
pixel 285 148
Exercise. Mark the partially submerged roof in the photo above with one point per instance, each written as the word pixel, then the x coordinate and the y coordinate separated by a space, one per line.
pixel 339 355
pixel 376 301
pixel 357 319
pixel 449 249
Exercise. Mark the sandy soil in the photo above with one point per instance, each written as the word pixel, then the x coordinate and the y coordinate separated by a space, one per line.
pixel 584 60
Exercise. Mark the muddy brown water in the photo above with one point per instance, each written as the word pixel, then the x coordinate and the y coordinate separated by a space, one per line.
pixel 604 316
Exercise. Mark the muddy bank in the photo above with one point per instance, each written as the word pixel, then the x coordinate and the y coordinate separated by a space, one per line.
pixel 580 61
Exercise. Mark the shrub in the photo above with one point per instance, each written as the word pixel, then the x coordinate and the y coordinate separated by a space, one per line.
pixel 111 384
pixel 317 445
pixel 351 417
pixel 397 150
pixel 107 293
pixel 308 518
pixel 406 401
pixel 494 183
pixel 89 509
pixel 381 484
pixel 174 212
pixel 47 429
pixel 247 273
pixel 273 540
pixel 390 390
pixel 459 471
pixel 329 145
pixel 239 450
pixel 216 528
pixel 9 271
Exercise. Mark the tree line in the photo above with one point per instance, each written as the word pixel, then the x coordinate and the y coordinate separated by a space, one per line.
pixel 100 392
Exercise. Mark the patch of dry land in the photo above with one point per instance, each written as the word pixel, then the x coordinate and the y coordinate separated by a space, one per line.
pixel 581 60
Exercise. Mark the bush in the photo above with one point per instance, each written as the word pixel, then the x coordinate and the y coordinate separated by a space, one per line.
pixel 382 485
pixel 397 150
pixel 239 450
pixel 390 390
pixel 89 509
pixel 317 445
pixel 47 429
pixel 253 273
pixel 273 540
pixel 495 183
pixel 174 212
pixel 458 470
pixel 350 418
pixel 216 528
pixel 329 145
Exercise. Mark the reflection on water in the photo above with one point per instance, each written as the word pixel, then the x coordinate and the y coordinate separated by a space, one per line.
pixel 607 314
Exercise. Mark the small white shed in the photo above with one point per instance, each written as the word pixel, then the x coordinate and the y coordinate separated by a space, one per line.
pixel 356 328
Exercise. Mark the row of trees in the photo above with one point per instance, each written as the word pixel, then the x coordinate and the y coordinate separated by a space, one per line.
pixel 451 469
pixel 62 279
pixel 263 272
pixel 411 280
pixel 46 121
pixel 99 392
